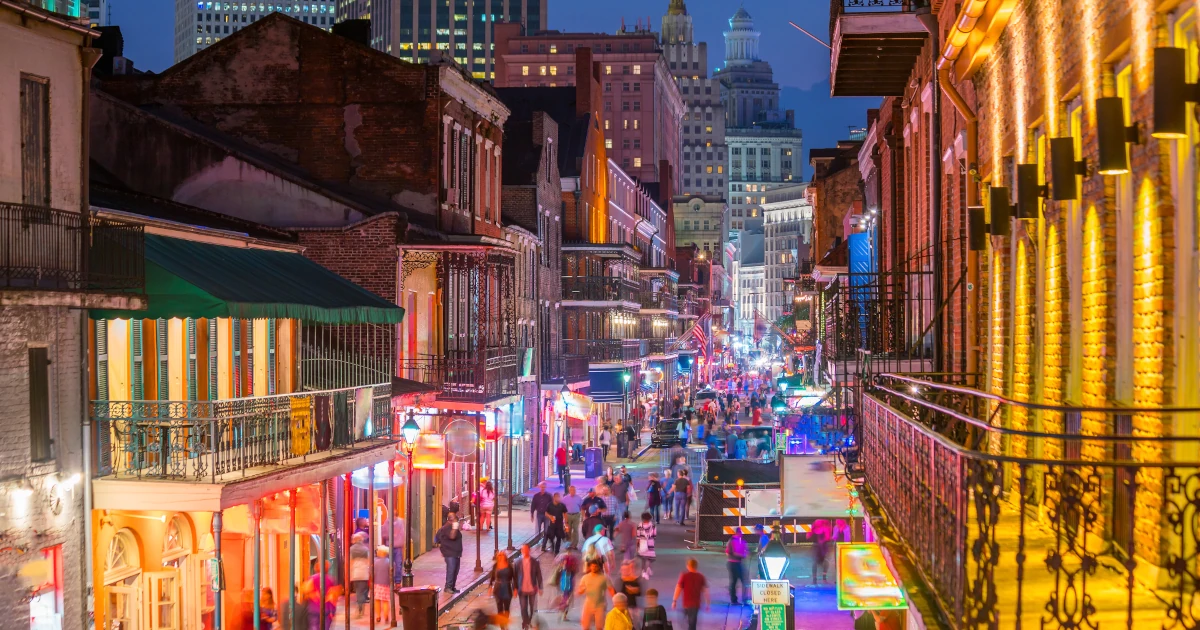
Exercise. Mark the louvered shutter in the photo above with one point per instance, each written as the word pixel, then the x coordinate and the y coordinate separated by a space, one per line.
pixel 270 356
pixel 192 376
pixel 212 358
pixel 164 373
pixel 136 362
pixel 249 358
pixel 236 326
pixel 102 359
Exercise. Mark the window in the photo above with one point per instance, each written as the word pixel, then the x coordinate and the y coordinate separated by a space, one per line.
pixel 542 70
pixel 624 87
pixel 637 142
pixel 708 129
pixel 637 69
pixel 608 106
pixel 570 70
pixel 607 69
pixel 625 123
pixel 625 143
pixel 625 106
pixel 35 140
pixel 637 106
pixel 606 123
pixel 637 123
pixel 608 87
pixel 553 49
pixel 553 71
pixel 40 441
pixel 524 71
pixel 720 168
pixel 637 87
pixel 624 69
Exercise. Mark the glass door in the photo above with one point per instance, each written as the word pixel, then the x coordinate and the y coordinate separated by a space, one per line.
pixel 163 610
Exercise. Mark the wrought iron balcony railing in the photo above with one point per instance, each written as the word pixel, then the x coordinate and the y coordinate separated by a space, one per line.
pixel 567 368
pixel 658 300
pixel 41 249
pixel 661 346
pixel 599 289
pixel 1022 514
pixel 206 440
pixel 461 376
pixel 607 350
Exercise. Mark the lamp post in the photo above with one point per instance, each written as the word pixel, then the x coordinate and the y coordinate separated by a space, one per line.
pixel 774 559
pixel 409 432
pixel 625 397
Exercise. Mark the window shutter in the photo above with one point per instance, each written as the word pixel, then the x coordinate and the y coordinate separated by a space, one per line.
pixel 39 405
pixel 192 380
pixel 270 356
pixel 164 374
pixel 236 326
pixel 136 361
pixel 101 359
pixel 249 358
pixel 212 358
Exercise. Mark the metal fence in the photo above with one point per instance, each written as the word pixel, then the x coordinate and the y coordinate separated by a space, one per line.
pixel 1023 514
pixel 204 440
pixel 42 249
pixel 481 376
pixel 600 289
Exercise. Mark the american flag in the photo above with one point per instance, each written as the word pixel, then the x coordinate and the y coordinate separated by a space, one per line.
pixel 698 332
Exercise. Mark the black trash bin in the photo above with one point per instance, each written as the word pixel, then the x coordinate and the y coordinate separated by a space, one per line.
pixel 418 607
pixel 622 445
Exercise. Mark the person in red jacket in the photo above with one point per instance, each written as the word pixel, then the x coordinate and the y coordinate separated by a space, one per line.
pixel 563 463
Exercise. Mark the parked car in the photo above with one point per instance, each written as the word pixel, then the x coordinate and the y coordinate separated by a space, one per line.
pixel 666 433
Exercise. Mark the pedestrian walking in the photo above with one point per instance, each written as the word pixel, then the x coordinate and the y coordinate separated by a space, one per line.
pixel 598 548
pixel 820 550
pixel 566 571
pixel 620 494
pixel 764 537
pixel 574 506
pixel 692 591
pixel 594 588
pixel 626 540
pixel 654 616
pixel 605 441
pixel 646 533
pixel 735 561
pixel 556 515
pixel 683 492
pixel 487 505
pixel 619 618
pixel 529 585
pixel 537 511
pixel 669 495
pixel 654 497
pixel 449 542
pixel 563 463
pixel 360 572
pixel 502 582
pixel 631 585
pixel 382 593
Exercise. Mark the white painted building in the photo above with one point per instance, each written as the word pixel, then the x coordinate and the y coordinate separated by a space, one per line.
pixel 703 127
pixel 751 283
pixel 787 233
pixel 45 63
pixel 200 23
pixel 703 221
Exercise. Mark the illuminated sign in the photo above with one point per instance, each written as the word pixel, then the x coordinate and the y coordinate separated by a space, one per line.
pixel 865 581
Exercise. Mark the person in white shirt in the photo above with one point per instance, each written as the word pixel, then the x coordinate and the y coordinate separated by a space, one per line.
pixel 605 440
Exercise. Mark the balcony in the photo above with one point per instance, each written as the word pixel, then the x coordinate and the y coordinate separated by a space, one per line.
pixel 661 346
pixel 41 250
pixel 1009 526
pixel 658 301
pixel 607 350
pixel 477 377
pixel 875 45
pixel 215 440
pixel 599 289
pixel 565 369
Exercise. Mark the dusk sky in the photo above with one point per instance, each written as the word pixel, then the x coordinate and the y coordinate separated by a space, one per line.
pixel 801 65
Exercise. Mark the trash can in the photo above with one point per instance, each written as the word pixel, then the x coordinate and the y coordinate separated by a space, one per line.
pixel 593 462
pixel 418 607
pixel 622 445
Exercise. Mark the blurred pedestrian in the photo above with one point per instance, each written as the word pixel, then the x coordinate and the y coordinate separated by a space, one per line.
pixel 529 585
pixel 618 618
pixel 626 542
pixel 556 515
pixel 382 593
pixel 594 588
pixel 654 616
pixel 502 583
pixel 646 533
pixel 574 506
pixel 487 504
pixel 692 591
pixel 654 496
pixel 683 492
pixel 449 541
pixel 360 572
pixel 735 561
pixel 537 511
pixel 566 571
pixel 631 585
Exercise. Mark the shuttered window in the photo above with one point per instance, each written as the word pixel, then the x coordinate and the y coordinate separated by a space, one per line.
pixel 35 140
pixel 193 380
pixel 39 405
pixel 164 360
pixel 249 389
pixel 236 326
pixel 136 363
pixel 270 356
pixel 212 358
pixel 102 359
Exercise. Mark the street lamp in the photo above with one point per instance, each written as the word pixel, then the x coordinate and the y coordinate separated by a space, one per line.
pixel 774 559
pixel 409 432
pixel 625 398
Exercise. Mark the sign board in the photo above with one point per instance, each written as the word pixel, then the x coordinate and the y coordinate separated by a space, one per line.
pixel 770 592
pixel 772 617
pixel 865 581
pixel 761 503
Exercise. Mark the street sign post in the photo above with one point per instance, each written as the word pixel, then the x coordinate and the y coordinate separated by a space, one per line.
pixel 774 601
pixel 772 617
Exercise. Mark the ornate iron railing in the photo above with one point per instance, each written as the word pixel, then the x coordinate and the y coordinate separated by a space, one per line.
pixel 658 300
pixel 203 440
pixel 461 376
pixel 599 289
pixel 41 249
pixel 662 346
pixel 607 350
pixel 1038 515
pixel 567 368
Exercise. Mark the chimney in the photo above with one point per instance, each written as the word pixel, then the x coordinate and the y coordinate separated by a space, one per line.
pixel 354 30
pixel 586 87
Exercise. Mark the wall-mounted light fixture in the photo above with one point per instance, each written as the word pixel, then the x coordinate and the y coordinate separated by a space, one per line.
pixel 1172 93
pixel 1029 191
pixel 1064 168
pixel 1114 134
pixel 1001 209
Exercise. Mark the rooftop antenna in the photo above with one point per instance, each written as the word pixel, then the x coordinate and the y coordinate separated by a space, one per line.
pixel 814 37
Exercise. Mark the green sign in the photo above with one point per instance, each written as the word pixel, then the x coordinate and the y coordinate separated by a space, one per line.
pixel 772 617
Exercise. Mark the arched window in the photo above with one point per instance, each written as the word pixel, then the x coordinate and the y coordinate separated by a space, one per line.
pixel 123 561
pixel 177 543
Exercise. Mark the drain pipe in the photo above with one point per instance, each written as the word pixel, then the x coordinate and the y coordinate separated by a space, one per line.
pixel 929 21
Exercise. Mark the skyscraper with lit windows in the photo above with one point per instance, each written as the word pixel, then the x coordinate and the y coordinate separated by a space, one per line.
pixel 200 24
pixel 413 29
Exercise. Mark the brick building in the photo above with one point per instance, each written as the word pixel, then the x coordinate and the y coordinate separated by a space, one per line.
pixel 1037 160
pixel 642 105
pixel 835 191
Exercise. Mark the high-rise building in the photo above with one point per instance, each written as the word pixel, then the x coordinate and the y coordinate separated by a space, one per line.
pixel 99 13
pixel 764 143
pixel 787 232
pixel 704 151
pixel 413 29
pixel 200 24
pixel 72 8
pixel 642 105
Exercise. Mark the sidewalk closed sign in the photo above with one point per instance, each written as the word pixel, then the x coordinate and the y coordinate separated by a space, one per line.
pixel 770 592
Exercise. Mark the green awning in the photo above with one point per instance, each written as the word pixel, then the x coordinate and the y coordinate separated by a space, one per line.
pixel 190 279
